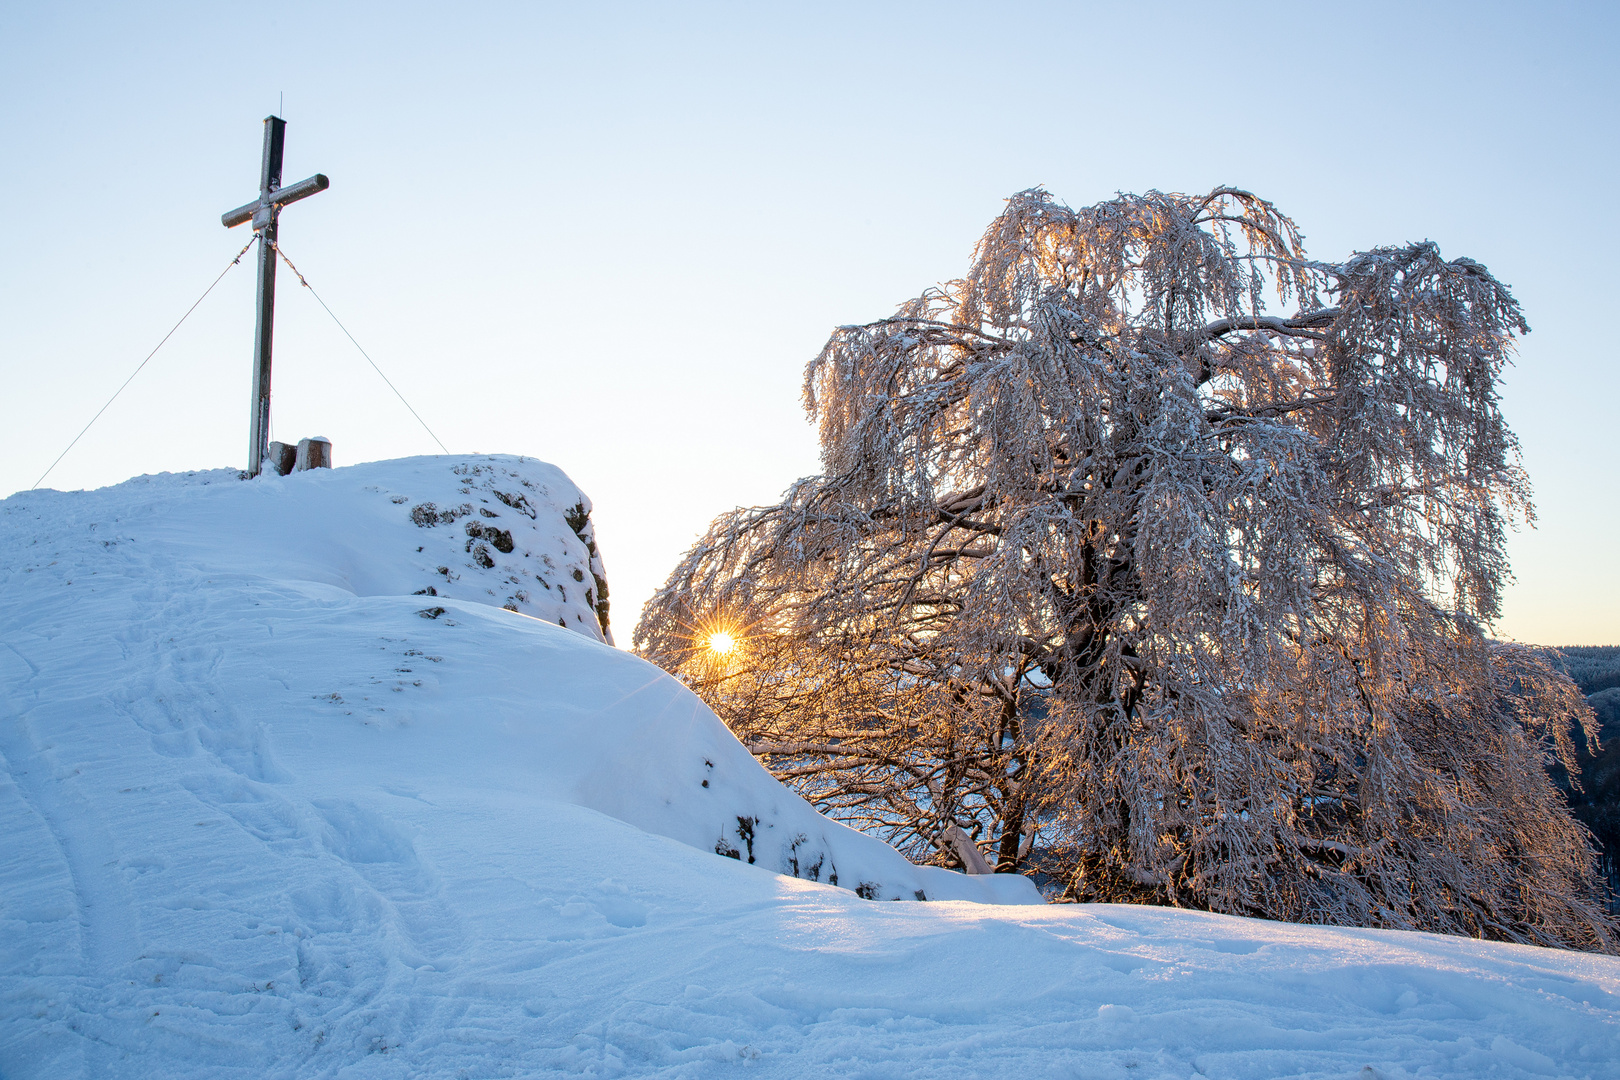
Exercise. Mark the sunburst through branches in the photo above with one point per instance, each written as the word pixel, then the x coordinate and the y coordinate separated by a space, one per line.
pixel 716 646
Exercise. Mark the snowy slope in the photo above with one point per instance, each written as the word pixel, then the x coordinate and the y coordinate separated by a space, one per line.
pixel 269 808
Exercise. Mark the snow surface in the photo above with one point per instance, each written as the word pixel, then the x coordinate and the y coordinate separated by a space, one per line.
pixel 268 810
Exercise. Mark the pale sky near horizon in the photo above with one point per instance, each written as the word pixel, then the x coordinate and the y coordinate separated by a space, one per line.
pixel 610 236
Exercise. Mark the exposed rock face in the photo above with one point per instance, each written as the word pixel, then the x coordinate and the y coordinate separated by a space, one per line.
pixel 496 529
pixel 579 520
pixel 518 531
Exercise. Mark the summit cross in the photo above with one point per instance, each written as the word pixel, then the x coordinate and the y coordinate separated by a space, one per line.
pixel 263 213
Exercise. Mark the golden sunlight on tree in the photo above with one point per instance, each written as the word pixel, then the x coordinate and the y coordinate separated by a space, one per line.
pixel 1157 558
pixel 721 643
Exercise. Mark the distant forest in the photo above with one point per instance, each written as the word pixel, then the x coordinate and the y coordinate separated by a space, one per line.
pixel 1596 670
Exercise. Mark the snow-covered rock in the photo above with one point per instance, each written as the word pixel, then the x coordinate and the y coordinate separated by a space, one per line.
pixel 373 616
pixel 270 808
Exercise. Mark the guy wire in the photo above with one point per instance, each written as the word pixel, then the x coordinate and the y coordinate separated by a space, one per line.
pixel 302 281
pixel 142 364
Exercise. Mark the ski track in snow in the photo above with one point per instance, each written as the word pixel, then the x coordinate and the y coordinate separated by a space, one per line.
pixel 256 825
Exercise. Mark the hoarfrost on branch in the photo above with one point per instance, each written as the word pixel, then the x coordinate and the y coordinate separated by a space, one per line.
pixel 1155 556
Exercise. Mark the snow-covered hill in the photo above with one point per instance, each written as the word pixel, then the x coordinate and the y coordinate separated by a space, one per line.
pixel 285 792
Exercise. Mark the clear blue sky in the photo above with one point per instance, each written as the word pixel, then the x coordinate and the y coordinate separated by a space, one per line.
pixel 611 235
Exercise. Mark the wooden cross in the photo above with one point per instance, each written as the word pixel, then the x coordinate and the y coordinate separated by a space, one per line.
pixel 263 212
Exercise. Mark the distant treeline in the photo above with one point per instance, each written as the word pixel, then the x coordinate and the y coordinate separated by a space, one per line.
pixel 1593 667
pixel 1596 670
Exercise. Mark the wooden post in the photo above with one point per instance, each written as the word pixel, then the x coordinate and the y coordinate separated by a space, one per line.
pixel 315 453
pixel 281 457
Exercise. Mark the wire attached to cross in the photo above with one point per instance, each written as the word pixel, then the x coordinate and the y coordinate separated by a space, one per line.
pixel 305 283
pixel 142 364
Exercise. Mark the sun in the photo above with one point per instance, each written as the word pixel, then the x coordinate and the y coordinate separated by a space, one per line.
pixel 721 643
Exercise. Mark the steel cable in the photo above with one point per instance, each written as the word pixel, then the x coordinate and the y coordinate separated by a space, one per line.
pixel 302 281
pixel 143 363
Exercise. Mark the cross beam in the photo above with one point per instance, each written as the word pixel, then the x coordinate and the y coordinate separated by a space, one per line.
pixel 263 212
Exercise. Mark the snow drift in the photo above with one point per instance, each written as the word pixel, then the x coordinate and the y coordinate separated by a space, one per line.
pixel 334 774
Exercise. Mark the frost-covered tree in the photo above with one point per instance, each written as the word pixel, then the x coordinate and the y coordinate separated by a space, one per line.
pixel 1156 556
